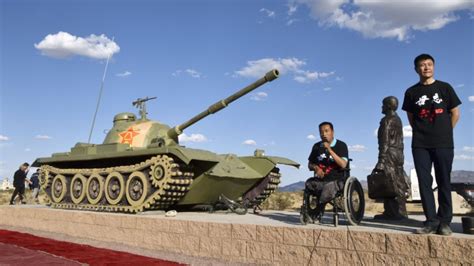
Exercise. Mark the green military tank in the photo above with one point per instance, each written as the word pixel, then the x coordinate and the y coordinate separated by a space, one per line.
pixel 141 166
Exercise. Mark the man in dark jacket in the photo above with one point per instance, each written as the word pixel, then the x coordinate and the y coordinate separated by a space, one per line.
pixel 19 180
pixel 34 185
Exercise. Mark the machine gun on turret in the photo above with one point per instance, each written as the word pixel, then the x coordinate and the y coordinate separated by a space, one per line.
pixel 140 104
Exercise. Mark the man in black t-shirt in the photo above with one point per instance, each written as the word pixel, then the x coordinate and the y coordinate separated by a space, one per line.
pixel 327 158
pixel 432 109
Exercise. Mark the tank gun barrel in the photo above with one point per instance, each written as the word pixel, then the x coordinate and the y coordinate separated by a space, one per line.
pixel 177 130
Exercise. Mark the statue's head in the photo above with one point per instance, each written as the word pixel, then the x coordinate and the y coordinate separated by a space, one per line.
pixel 390 104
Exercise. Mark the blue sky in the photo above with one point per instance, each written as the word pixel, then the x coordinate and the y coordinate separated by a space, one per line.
pixel 338 60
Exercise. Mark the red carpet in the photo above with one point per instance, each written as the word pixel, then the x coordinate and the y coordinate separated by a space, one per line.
pixel 26 249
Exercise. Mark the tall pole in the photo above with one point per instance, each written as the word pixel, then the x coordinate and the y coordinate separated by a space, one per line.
pixel 100 95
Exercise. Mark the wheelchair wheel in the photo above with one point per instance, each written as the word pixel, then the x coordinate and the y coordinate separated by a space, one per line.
pixel 308 209
pixel 354 201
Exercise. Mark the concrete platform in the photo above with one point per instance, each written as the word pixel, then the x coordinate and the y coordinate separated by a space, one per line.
pixel 274 237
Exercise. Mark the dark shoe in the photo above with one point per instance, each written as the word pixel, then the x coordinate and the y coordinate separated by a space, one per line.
pixel 444 230
pixel 427 229
pixel 11 203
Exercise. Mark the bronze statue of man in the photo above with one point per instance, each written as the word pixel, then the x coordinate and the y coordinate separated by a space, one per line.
pixel 390 162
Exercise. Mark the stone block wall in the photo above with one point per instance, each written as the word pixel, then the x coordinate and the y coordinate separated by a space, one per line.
pixel 247 243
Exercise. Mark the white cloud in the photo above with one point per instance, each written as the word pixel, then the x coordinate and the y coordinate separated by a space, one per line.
pixel 327 89
pixel 467 148
pixel 357 148
pixel 250 142
pixel 63 45
pixel 292 9
pixel 270 14
pixel 258 68
pixel 407 131
pixel 308 76
pixel 42 137
pixel 124 74
pixel 27 149
pixel 4 138
pixel 291 21
pixel 192 138
pixel 459 86
pixel 259 96
pixel 311 137
pixel 463 157
pixel 386 18
pixel 471 98
pixel 191 72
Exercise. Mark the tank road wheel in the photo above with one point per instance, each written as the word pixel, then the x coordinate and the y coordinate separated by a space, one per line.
pixel 136 189
pixel 59 188
pixel 95 188
pixel 44 178
pixel 160 170
pixel 114 188
pixel 78 188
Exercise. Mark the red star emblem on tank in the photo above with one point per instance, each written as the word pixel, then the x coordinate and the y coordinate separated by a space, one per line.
pixel 127 136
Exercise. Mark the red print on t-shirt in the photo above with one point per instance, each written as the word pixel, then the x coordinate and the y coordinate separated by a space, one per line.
pixel 326 169
pixel 430 115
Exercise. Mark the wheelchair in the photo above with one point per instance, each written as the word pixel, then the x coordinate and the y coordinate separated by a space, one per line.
pixel 349 197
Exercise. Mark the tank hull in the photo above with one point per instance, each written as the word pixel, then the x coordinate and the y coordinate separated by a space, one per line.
pixel 113 179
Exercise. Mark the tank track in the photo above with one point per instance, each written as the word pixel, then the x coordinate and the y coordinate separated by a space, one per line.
pixel 154 184
pixel 272 180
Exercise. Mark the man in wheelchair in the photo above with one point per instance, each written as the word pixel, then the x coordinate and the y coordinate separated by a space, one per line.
pixel 332 183
pixel 328 159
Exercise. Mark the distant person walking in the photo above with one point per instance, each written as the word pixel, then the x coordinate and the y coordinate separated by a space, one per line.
pixel 34 185
pixel 432 110
pixel 19 180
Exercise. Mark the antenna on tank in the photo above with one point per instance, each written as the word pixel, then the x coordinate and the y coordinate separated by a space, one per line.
pixel 100 95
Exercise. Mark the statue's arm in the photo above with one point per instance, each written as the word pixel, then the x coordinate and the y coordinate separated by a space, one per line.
pixel 384 138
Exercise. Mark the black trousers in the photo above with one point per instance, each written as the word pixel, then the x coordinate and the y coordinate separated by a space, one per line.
pixel 18 191
pixel 442 160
